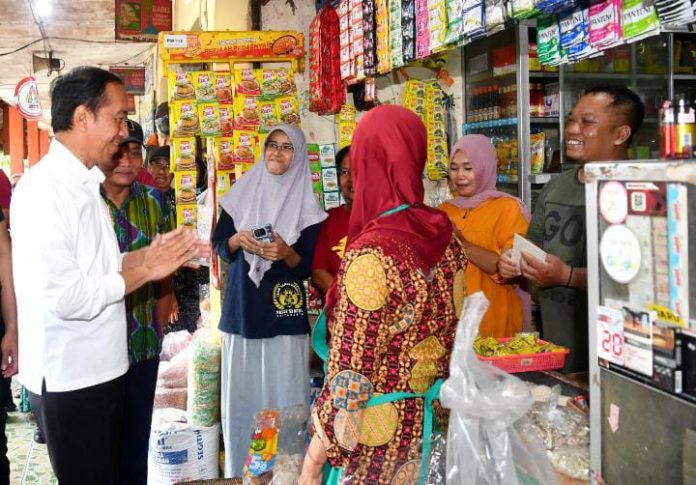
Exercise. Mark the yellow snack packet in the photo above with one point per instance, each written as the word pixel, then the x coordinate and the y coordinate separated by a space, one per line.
pixel 245 146
pixel 203 85
pixel 183 118
pixel 183 154
pixel 209 115
pixel 288 110
pixel 185 187
pixel 180 86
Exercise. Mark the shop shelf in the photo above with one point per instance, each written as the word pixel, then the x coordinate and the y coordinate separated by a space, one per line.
pixel 544 119
pixel 685 77
pixel 598 75
pixel 540 178
pixel 543 74
pixel 483 125
pixel 659 77
pixel 507 179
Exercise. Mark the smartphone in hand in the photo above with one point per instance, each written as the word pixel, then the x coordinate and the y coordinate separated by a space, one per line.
pixel 263 233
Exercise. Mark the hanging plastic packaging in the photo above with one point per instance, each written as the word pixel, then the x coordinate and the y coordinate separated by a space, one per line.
pixel 484 444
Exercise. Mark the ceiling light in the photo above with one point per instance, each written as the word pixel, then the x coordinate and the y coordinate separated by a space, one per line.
pixel 43 8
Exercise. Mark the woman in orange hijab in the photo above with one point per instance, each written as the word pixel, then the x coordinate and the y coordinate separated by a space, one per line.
pixel 487 220
pixel 391 315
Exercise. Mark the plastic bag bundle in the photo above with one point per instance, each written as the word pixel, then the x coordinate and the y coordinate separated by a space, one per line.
pixel 173 343
pixel 484 445
pixel 180 452
pixel 204 379
pixel 174 373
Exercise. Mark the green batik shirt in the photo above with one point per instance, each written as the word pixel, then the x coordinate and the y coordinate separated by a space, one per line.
pixel 143 215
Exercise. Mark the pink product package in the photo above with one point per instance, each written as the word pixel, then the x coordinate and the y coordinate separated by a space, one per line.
pixel 422 29
pixel 605 23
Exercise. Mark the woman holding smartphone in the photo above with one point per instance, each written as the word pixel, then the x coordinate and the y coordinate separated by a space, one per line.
pixel 267 230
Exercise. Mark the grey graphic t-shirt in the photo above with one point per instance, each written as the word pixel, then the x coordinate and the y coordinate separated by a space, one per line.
pixel 558 227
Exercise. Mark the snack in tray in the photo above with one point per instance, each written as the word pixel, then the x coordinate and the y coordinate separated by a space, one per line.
pixel 183 154
pixel 246 82
pixel 185 119
pixel 288 110
pixel 180 86
pixel 223 87
pixel 224 153
pixel 523 343
pixel 203 84
pixel 209 114
pixel 185 187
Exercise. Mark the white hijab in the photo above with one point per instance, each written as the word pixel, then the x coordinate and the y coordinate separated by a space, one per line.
pixel 286 201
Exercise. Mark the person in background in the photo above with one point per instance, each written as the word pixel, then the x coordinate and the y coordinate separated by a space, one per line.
pixel 8 347
pixel 160 137
pixel 599 128
pixel 185 305
pixel 134 144
pixel 5 197
pixel 487 219
pixel 71 280
pixel 264 325
pixel 392 314
pixel 139 214
pixel 331 244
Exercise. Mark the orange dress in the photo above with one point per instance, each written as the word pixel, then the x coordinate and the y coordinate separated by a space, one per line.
pixel 492 226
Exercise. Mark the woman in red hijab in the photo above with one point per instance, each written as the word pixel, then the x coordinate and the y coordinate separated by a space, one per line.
pixel 391 314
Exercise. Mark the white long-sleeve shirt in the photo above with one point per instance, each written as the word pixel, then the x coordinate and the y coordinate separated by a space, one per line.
pixel 70 296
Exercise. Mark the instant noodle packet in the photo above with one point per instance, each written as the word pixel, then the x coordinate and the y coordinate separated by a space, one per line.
pixel 184 119
pixel 183 154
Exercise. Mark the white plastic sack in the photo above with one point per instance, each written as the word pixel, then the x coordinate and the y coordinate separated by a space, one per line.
pixel 181 452
pixel 484 446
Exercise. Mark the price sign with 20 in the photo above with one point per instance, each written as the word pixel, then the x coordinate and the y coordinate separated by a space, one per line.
pixel 610 335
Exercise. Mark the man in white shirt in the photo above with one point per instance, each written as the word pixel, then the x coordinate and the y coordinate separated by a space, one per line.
pixel 71 280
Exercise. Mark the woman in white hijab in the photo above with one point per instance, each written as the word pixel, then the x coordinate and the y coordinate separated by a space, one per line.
pixel 265 346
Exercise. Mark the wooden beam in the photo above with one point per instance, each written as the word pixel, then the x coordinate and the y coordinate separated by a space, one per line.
pixel 43 143
pixel 33 152
pixel 16 135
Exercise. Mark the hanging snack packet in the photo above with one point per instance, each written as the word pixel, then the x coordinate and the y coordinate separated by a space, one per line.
pixel 270 83
pixel 455 14
pixel 183 156
pixel 184 119
pixel 286 81
pixel 246 111
pixel 223 87
pixel 422 29
pixel 288 110
pixel 245 146
pixel 396 41
pixel 523 9
pixel 246 83
pixel 224 153
pixel 639 20
pixel 226 119
pixel 474 25
pixel 186 215
pixel 571 28
pixel 269 115
pixel 209 114
pixel 369 37
pixel 408 29
pixel 180 86
pixel 495 15
pixel 382 36
pixel 203 85
pixel 185 187
pixel 437 24
pixel 536 149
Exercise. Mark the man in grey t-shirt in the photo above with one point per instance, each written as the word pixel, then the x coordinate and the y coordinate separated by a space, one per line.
pixel 599 128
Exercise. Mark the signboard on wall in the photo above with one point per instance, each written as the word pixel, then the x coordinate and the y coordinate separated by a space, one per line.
pixel 142 20
pixel 133 79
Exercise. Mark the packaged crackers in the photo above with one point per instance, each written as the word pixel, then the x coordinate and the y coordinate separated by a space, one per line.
pixel 184 119
pixel 183 154
pixel 180 86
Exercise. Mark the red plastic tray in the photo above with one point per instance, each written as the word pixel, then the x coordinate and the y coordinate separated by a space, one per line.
pixel 527 362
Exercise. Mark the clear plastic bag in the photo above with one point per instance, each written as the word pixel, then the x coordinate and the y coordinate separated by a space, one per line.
pixel 173 343
pixel 277 445
pixel 484 444
pixel 204 378
pixel 174 373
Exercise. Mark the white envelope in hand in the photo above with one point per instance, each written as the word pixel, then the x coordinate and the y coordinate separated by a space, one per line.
pixel 521 245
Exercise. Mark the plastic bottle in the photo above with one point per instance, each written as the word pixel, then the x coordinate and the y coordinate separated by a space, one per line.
pixel 668 131
pixel 685 130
